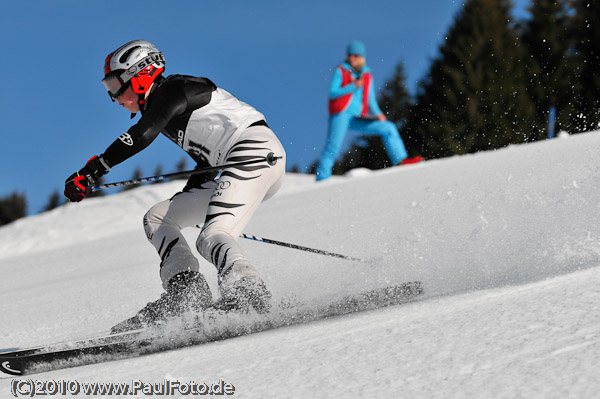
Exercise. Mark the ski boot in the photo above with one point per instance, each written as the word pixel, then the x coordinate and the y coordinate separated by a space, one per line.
pixel 186 291
pixel 248 293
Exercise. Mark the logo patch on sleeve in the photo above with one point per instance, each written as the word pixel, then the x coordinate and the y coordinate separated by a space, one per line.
pixel 126 139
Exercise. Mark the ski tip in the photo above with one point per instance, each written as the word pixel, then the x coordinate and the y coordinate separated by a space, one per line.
pixel 10 366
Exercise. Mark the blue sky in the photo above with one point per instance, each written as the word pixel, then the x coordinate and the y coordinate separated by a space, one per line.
pixel 275 55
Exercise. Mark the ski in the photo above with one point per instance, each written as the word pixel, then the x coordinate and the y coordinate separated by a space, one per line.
pixel 98 340
pixel 207 327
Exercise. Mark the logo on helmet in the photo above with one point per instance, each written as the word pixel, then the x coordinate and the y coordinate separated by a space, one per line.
pixel 152 58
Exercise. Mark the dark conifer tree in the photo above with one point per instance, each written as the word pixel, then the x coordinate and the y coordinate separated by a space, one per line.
pixel 395 102
pixel 551 80
pixel 475 95
pixel 395 99
pixel 56 199
pixel 12 207
pixel 586 29
pixel 182 166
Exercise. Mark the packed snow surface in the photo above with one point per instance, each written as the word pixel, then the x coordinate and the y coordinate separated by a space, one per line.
pixel 506 243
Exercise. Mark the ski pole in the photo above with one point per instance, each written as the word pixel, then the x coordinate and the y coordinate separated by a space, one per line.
pixel 294 246
pixel 270 158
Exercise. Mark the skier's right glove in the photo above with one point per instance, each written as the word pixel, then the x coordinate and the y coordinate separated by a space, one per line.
pixel 79 184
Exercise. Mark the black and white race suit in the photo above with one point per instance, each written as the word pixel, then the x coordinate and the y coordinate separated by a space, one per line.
pixel 214 128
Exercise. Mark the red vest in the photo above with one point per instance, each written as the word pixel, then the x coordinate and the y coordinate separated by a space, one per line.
pixel 339 104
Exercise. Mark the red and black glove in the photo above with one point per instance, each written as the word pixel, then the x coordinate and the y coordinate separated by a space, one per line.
pixel 79 184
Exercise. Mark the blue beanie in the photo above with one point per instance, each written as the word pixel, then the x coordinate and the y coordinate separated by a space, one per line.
pixel 357 48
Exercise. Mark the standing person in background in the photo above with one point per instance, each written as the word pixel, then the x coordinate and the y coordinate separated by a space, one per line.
pixel 351 100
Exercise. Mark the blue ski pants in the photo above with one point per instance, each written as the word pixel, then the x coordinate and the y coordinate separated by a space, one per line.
pixel 340 123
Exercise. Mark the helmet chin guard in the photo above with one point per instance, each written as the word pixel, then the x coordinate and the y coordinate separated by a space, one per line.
pixel 141 82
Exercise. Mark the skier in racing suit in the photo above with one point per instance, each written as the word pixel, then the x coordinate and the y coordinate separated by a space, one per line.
pixel 214 128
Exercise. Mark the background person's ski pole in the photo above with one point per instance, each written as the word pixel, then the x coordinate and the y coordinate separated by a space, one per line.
pixel 294 246
pixel 270 158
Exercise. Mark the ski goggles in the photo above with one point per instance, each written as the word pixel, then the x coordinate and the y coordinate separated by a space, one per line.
pixel 115 86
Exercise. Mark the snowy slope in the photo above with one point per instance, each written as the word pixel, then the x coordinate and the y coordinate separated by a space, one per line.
pixel 507 244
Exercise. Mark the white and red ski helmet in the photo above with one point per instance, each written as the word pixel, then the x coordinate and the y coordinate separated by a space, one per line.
pixel 138 63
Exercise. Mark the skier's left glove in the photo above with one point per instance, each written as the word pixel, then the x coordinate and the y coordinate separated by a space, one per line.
pixel 79 184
